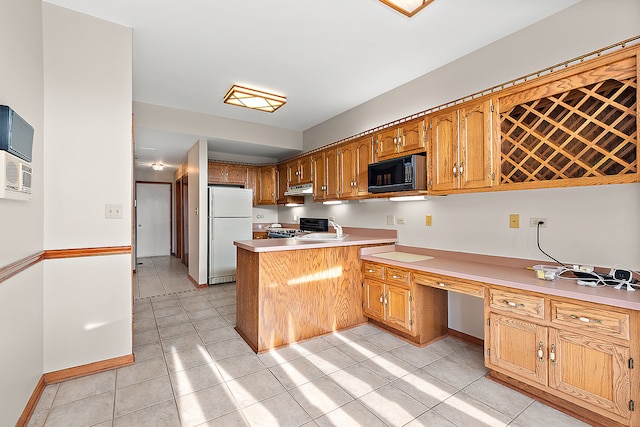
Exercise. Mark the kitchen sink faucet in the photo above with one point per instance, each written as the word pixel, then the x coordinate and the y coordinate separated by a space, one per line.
pixel 337 227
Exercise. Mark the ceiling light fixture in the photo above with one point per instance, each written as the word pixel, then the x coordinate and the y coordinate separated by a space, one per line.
pixel 407 7
pixel 254 99
pixel 157 166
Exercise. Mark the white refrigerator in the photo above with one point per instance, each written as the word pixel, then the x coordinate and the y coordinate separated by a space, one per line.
pixel 229 220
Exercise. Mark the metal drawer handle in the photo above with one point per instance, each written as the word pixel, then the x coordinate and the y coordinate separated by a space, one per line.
pixel 586 319
pixel 396 277
pixel 540 352
pixel 381 298
pixel 444 285
pixel 552 354
pixel 371 271
pixel 512 304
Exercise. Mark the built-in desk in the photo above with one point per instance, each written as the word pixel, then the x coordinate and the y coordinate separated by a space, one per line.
pixel 572 346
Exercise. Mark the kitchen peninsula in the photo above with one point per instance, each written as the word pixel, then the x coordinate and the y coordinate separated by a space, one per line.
pixel 290 290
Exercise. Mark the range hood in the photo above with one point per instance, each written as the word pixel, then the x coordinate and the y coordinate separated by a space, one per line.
pixel 299 190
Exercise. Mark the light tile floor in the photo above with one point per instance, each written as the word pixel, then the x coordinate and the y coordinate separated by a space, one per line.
pixel 160 276
pixel 192 369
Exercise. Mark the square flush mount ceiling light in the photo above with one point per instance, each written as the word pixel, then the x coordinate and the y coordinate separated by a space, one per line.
pixel 254 99
pixel 407 7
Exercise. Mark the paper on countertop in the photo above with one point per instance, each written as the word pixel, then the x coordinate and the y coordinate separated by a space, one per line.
pixel 403 256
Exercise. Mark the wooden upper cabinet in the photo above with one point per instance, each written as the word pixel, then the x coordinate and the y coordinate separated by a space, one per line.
pixel 386 144
pixel 299 171
pixel 252 183
pixel 332 174
pixel 227 173
pixel 282 180
pixel 354 159
pixel 475 170
pixel 413 137
pixel 318 171
pixel 363 157
pixel 401 140
pixel 577 127
pixel 444 151
pixel 346 171
pixel 266 185
pixel 304 170
pixel 461 148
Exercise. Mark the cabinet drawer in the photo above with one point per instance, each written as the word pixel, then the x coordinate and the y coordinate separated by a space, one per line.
pixel 612 323
pixel 449 284
pixel 397 275
pixel 372 270
pixel 526 305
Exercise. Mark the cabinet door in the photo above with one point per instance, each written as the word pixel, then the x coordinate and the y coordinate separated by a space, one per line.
pixel 444 151
pixel 386 144
pixel 590 369
pixel 362 161
pixel 412 137
pixel 267 185
pixel 519 348
pixel 398 307
pixel 319 165
pixel 475 146
pixel 236 174
pixel 304 170
pixel 332 177
pixel 216 173
pixel 252 183
pixel 373 296
pixel 347 161
pixel 282 183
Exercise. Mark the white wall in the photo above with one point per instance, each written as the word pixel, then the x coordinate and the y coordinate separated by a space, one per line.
pixel 198 200
pixel 88 161
pixel 21 321
pixel 199 125
pixel 265 214
pixel 589 225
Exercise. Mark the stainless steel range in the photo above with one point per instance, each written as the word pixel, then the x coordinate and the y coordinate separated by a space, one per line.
pixel 280 233
pixel 307 225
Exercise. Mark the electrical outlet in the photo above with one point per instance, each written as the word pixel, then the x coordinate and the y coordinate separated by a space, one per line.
pixel 295 217
pixel 402 220
pixel 514 221
pixel 112 211
pixel 332 218
pixel 427 220
pixel 391 220
pixel 533 222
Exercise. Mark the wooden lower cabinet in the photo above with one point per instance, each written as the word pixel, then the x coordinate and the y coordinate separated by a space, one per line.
pixel 390 304
pixel 575 363
pixel 393 301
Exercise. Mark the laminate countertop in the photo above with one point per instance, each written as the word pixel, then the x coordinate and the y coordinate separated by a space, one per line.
pixel 356 236
pixel 501 271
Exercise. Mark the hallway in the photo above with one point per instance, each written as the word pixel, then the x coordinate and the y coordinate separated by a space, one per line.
pixel 193 369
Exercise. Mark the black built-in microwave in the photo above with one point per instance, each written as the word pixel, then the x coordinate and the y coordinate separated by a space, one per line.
pixel 399 174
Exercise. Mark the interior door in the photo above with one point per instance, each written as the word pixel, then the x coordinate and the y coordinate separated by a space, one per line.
pixel 153 213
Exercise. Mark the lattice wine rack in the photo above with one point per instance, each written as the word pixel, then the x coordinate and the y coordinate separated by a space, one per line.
pixel 585 132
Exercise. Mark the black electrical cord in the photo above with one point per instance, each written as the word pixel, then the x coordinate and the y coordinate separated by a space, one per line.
pixel 538 242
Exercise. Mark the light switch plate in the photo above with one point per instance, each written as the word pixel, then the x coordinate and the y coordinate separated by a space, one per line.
pixel 391 220
pixel 113 211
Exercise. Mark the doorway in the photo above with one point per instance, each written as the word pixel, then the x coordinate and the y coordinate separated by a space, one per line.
pixel 153 219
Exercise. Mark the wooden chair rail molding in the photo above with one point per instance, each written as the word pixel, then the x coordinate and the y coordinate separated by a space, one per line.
pixel 14 268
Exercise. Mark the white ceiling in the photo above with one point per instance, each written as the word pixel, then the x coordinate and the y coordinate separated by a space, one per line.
pixel 325 56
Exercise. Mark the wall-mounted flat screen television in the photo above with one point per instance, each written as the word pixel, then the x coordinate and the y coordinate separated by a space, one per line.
pixel 16 135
